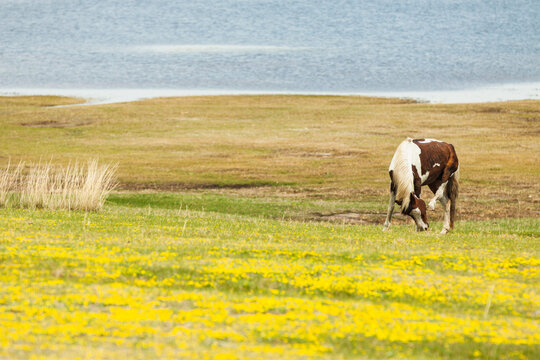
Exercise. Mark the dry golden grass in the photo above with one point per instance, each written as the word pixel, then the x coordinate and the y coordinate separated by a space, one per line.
pixel 9 182
pixel 45 186
pixel 306 146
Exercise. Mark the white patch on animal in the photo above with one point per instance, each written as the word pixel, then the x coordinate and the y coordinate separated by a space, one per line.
pixel 390 211
pixel 436 164
pixel 426 141
pixel 401 166
pixel 414 158
pixel 446 207
pixel 438 195
pixel 420 224
pixel 424 177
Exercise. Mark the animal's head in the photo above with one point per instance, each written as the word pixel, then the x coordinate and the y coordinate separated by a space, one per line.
pixel 417 211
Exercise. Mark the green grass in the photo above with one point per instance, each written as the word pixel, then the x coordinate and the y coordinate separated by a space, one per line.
pixel 268 207
pixel 156 276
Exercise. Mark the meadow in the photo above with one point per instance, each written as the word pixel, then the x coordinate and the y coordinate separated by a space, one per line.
pixel 249 227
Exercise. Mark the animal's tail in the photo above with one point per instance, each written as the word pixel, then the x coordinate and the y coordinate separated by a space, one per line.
pixel 453 192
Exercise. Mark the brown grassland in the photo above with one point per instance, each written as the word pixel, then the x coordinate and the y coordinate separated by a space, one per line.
pixel 308 147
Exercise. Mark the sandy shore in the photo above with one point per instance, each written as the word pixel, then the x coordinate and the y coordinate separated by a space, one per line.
pixel 492 93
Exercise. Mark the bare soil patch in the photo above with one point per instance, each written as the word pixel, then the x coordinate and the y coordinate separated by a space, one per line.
pixel 180 186
pixel 55 124
pixel 358 218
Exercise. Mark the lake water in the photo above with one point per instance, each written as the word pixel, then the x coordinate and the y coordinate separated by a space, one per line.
pixel 447 47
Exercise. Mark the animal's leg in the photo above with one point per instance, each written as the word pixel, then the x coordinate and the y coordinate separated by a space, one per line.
pixel 446 206
pixel 453 190
pixel 390 210
pixel 441 189
pixel 438 195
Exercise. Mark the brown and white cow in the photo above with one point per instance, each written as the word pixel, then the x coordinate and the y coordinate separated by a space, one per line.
pixel 424 162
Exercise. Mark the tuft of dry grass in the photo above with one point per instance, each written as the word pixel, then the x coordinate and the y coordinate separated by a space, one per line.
pixel 9 181
pixel 73 187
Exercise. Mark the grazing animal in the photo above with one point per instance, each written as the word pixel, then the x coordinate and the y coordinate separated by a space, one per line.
pixel 421 162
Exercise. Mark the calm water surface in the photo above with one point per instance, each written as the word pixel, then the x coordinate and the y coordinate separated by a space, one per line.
pixel 272 45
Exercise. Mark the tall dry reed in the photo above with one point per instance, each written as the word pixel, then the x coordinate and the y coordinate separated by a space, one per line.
pixel 9 182
pixel 74 187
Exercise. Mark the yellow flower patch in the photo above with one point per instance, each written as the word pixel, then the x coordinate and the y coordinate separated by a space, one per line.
pixel 139 290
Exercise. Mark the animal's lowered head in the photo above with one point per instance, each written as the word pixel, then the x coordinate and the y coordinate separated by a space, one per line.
pixel 417 210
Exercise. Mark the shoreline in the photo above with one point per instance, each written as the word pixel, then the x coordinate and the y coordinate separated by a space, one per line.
pixel 492 93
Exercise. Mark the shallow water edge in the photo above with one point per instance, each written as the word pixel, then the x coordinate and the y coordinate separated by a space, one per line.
pixel 492 93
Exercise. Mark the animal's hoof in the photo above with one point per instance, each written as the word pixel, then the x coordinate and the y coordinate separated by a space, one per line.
pixel 431 206
pixel 444 231
pixel 385 229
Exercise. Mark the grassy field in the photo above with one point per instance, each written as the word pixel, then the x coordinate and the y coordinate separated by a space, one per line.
pixel 152 282
pixel 285 146
pixel 250 227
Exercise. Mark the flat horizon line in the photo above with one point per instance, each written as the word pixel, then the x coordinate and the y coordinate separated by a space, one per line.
pixel 100 96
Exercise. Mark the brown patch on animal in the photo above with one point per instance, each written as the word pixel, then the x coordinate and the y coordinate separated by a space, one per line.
pixel 412 204
pixel 417 181
pixel 392 184
pixel 421 205
pixel 436 152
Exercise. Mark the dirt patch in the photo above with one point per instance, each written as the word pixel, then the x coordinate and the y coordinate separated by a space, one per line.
pixel 350 218
pixel 491 110
pixel 178 186
pixel 359 218
pixel 531 119
pixel 318 154
pixel 55 124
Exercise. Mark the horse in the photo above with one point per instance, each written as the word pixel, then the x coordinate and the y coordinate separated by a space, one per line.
pixel 419 162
